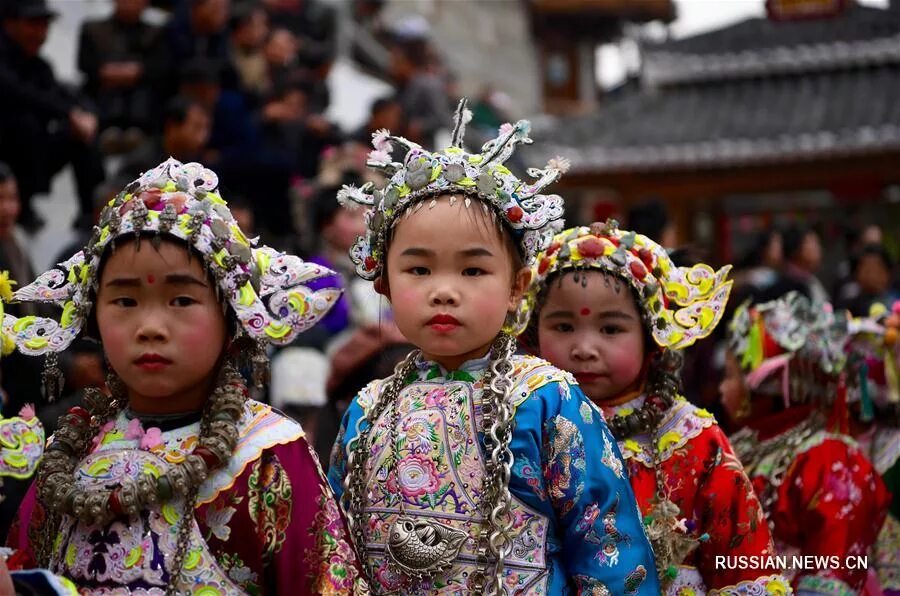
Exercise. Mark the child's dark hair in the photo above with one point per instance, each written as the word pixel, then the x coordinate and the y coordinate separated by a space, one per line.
pixel 513 248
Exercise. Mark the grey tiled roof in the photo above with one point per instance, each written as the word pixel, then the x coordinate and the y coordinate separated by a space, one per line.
pixel 792 105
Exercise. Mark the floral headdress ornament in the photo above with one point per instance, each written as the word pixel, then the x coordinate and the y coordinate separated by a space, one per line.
pixel 423 174
pixel 802 340
pixel 679 304
pixel 264 287
pixel 874 353
pixel 22 436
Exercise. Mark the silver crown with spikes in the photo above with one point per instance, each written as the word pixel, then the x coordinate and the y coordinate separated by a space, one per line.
pixel 532 217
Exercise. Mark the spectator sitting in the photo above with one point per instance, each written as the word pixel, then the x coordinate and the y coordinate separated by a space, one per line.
pixel 234 137
pixel 651 218
pixel 249 31
pixel 280 55
pixel 315 26
pixel 803 258
pixel 201 31
pixel 760 269
pixel 386 113
pixel 185 134
pixel 421 89
pixel 856 238
pixel 336 227
pixel 43 126
pixel 872 269
pixel 111 54
pixel 294 129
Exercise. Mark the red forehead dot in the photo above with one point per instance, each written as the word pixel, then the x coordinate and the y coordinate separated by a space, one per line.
pixel 585 312
pixel 150 279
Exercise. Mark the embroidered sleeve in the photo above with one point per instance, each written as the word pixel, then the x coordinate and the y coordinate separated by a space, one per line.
pixel 301 525
pixel 832 503
pixel 597 517
pixel 270 497
pixel 729 513
pixel 346 439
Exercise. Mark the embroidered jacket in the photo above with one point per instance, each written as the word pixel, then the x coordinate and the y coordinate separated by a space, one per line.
pixel 266 523
pixel 704 478
pixel 576 528
pixel 826 497
pixel 883 447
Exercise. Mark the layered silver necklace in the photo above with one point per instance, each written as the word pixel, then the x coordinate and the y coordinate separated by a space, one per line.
pixel 419 548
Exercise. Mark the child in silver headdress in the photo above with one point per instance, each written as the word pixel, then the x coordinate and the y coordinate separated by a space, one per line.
pixel 465 471
pixel 177 482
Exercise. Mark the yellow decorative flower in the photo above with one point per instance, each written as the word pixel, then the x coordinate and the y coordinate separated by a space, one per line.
pixel 777 587
pixel 702 413
pixel 6 284
pixel 667 440
pixel 632 445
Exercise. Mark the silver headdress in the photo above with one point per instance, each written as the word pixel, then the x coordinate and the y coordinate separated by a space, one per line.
pixel 532 217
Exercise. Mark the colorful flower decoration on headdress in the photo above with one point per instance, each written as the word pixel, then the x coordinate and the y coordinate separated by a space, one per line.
pixel 21 444
pixel 679 304
pixel 874 349
pixel 264 287
pixel 803 340
pixel 529 214
pixel 7 344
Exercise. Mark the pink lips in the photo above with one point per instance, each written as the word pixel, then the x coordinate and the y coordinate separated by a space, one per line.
pixel 443 323
pixel 586 377
pixel 152 362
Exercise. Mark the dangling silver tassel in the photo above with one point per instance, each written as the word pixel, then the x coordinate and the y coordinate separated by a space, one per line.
pixel 116 386
pixel 52 378
pixel 259 364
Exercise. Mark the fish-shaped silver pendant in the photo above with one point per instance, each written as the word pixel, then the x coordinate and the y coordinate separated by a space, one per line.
pixel 421 548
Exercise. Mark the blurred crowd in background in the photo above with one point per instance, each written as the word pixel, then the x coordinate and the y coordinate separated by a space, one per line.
pixel 240 85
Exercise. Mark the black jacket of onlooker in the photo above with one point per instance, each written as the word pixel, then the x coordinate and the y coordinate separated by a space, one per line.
pixel 29 85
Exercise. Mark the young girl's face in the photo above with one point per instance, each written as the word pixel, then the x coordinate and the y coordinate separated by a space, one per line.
pixel 162 328
pixel 593 331
pixel 733 390
pixel 451 280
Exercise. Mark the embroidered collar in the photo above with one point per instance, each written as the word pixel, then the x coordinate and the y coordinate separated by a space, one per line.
pixel 260 428
pixel 681 423
pixel 470 370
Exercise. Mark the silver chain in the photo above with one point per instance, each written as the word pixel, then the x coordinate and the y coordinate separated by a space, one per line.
pixel 498 424
pixel 353 499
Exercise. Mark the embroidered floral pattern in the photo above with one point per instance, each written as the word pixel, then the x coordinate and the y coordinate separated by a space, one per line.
pixel 269 502
pixel 218 515
pixel 240 573
pixel 531 473
pixel 588 586
pixel 417 476
pixel 329 561
pixel 564 449
pixel 772 585
pixel 586 413
pixel 610 459
pixel 886 548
